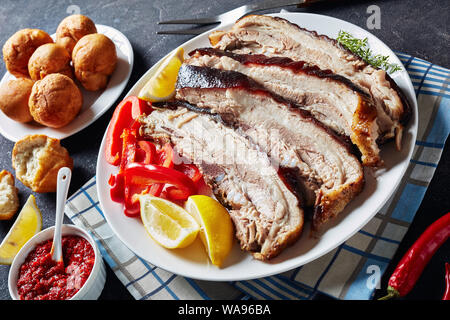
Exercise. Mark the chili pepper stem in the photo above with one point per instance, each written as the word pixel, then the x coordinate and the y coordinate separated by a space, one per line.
pixel 392 293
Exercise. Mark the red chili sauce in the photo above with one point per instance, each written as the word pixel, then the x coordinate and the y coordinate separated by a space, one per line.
pixel 40 278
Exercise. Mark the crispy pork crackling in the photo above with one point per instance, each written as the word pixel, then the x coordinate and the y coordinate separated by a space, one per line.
pixel 332 99
pixel 273 36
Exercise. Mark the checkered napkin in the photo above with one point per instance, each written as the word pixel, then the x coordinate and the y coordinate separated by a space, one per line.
pixel 347 271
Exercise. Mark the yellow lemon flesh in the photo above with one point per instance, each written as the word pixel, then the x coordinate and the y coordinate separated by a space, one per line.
pixel 167 223
pixel 216 226
pixel 27 224
pixel 161 85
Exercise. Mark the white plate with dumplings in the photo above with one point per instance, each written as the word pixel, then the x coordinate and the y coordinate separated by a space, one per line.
pixel 95 103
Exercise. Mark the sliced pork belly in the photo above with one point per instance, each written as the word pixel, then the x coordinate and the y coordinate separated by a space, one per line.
pixel 272 36
pixel 332 99
pixel 307 151
pixel 266 213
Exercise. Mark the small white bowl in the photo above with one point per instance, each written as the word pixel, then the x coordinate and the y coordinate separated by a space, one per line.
pixel 94 284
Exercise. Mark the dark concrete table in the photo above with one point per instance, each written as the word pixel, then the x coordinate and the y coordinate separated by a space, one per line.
pixel 416 27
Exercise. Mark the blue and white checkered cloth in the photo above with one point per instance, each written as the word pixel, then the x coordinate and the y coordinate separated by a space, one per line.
pixel 348 271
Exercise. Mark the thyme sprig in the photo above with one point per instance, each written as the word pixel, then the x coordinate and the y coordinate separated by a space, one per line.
pixel 361 48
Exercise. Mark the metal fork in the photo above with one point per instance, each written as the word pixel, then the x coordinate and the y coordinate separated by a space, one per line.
pixel 230 16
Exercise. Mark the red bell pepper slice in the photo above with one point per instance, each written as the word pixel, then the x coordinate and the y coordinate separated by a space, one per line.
pixel 414 261
pixel 124 116
pixel 117 184
pixel 165 156
pixel 175 194
pixel 148 150
pixel 190 170
pixel 446 295
pixel 156 189
pixel 128 148
pixel 146 174
pixel 131 201
pixel 144 169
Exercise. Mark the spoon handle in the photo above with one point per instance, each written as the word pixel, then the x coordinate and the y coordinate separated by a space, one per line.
pixel 62 188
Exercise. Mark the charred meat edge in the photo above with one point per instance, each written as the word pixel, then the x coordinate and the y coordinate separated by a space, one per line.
pixel 363 127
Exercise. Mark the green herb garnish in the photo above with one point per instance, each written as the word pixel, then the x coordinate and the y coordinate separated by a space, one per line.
pixel 361 48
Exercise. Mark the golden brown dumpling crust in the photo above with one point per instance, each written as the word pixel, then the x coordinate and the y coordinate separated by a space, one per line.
pixel 14 96
pixel 94 59
pixel 72 29
pixel 37 160
pixel 49 58
pixel 55 100
pixel 18 49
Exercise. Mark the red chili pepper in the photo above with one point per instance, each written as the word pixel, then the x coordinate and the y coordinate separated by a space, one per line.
pixel 124 116
pixel 417 257
pixel 146 174
pixel 446 295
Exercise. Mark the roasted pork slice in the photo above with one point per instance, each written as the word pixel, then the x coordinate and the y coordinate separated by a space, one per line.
pixel 272 36
pixel 332 99
pixel 322 166
pixel 267 215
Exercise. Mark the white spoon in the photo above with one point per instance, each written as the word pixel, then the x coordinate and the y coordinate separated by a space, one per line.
pixel 62 187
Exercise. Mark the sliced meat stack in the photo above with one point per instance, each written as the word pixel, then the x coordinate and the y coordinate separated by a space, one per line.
pixel 332 99
pixel 266 213
pixel 274 36
pixel 311 156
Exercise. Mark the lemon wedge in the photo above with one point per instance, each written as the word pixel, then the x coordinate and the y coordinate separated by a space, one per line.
pixel 27 224
pixel 216 226
pixel 167 223
pixel 161 86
